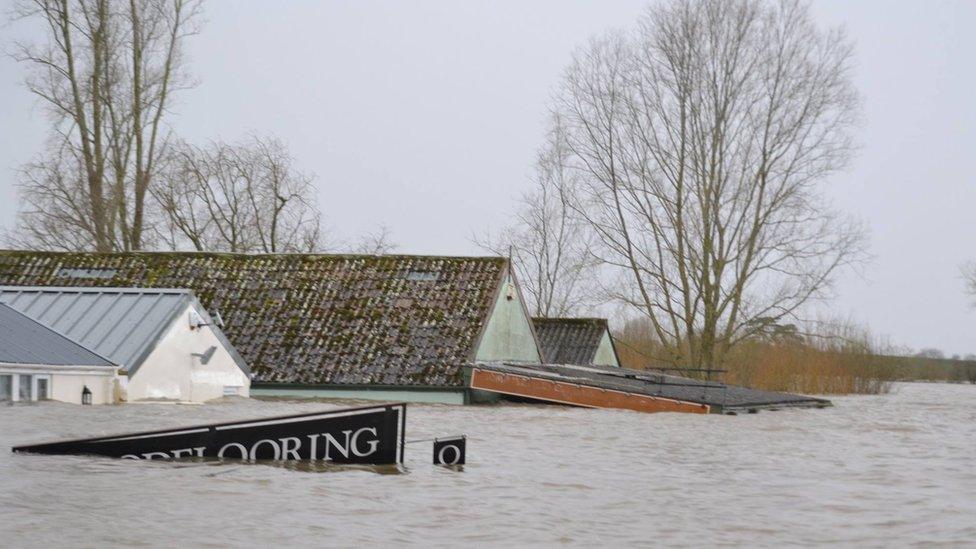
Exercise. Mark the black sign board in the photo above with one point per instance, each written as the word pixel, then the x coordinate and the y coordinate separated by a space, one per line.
pixel 368 435
pixel 449 451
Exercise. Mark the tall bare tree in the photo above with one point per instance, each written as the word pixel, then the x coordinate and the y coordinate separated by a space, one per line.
pixel 242 197
pixel 107 71
pixel 548 244
pixel 699 144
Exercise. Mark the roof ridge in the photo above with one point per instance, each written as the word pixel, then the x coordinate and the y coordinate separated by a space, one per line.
pixel 301 318
pixel 253 254
pixel 568 319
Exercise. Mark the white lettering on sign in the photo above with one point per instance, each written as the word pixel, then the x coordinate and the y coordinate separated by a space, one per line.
pixel 198 452
pixel 273 444
pixel 330 441
pixel 371 444
pixel 313 452
pixel 182 452
pixel 454 460
pixel 290 447
pixel 240 447
pixel 360 443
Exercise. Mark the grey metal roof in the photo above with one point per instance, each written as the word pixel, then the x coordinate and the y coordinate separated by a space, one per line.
pixel 23 340
pixel 122 324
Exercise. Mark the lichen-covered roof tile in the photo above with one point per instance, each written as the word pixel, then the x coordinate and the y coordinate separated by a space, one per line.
pixel 569 340
pixel 315 319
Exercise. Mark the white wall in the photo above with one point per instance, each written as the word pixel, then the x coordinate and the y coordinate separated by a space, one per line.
pixel 67 382
pixel 67 388
pixel 171 372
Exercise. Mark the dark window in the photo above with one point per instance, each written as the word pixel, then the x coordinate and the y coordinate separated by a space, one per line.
pixel 24 391
pixel 6 388
pixel 42 390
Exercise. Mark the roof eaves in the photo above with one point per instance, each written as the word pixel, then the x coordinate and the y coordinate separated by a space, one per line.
pixel 93 290
pixel 32 253
pixel 219 334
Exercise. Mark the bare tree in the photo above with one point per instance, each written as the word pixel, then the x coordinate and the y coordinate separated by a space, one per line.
pixel 547 243
pixel 106 73
pixel 243 197
pixel 378 242
pixel 698 146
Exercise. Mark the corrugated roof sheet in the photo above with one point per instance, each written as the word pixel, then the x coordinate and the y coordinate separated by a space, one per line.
pixel 23 340
pixel 311 319
pixel 570 340
pixel 120 324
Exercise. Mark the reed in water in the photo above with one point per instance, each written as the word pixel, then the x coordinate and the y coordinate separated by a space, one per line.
pixel 833 359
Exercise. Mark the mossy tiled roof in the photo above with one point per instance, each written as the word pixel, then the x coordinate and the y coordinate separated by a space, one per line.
pixel 570 340
pixel 310 319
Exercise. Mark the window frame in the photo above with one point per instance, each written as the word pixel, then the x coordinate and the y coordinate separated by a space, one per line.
pixel 10 396
pixel 20 388
pixel 35 382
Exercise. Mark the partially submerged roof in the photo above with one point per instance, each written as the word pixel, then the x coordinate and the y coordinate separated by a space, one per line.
pixel 720 398
pixel 23 340
pixel 570 340
pixel 311 319
pixel 123 324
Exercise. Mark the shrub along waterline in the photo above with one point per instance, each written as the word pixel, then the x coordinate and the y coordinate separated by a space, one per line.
pixel 814 365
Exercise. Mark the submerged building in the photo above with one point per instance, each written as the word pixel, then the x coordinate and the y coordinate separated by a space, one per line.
pixel 390 327
pixel 164 343
pixel 410 328
pixel 38 363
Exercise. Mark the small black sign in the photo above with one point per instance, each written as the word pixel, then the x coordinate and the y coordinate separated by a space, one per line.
pixel 449 451
pixel 368 435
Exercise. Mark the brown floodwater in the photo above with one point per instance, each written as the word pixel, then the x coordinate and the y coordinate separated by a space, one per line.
pixel 895 469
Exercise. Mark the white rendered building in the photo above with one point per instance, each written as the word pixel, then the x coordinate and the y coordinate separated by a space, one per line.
pixel 165 344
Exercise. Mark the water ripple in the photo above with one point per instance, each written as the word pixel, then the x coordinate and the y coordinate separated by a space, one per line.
pixel 871 471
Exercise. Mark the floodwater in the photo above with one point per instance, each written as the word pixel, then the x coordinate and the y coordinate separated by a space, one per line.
pixel 897 469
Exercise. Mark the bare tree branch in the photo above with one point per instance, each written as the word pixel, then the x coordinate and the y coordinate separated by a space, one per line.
pixel 243 197
pixel 106 72
pixel 697 147
pixel 548 244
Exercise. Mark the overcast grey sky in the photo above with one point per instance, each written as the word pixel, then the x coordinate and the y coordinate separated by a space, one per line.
pixel 425 116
